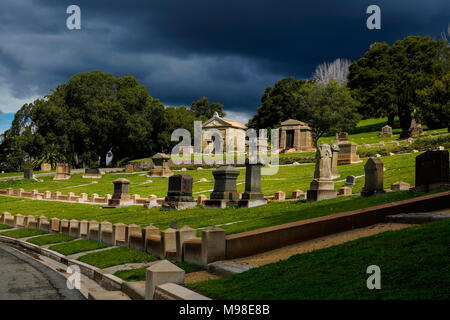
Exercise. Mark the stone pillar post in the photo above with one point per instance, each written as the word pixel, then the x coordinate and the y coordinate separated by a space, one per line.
pixel 160 273
pixel 213 245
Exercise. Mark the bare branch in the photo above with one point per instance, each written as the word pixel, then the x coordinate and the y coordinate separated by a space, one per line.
pixel 338 70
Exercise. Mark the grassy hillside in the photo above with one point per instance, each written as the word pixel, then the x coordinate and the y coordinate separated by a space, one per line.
pixel 414 263
pixel 233 220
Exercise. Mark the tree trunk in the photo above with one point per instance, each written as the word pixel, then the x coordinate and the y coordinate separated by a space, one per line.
pixel 390 121
pixel 75 158
pixel 404 115
pixel 103 161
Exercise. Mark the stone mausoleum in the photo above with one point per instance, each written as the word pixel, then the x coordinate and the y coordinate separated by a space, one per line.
pixel 232 132
pixel 295 136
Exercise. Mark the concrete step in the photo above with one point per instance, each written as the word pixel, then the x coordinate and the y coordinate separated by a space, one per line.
pixel 224 268
pixel 135 290
pixel 415 218
pixel 107 295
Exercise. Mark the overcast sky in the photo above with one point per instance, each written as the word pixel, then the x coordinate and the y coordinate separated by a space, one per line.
pixel 227 50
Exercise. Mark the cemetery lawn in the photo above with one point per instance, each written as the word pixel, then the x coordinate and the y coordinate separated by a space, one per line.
pixel 49 239
pixel 414 263
pixel 20 174
pixel 22 233
pixel 115 257
pixel 139 274
pixel 232 220
pixel 289 178
pixel 77 246
pixel 4 227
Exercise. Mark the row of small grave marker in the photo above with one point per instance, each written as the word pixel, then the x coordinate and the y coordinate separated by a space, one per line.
pixel 163 244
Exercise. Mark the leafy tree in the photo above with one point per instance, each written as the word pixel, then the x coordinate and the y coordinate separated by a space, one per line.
pixel 176 118
pixel 327 108
pixel 203 109
pixel 434 103
pixel 372 84
pixel 85 119
pixel 387 79
pixel 277 104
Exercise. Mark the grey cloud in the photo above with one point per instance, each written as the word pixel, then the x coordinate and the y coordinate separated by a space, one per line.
pixel 181 50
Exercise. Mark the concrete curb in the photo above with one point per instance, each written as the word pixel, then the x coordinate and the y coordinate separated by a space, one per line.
pixel 107 281
pixel 116 287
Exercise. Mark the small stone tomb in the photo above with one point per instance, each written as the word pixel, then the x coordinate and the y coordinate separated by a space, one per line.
pixel 225 192
pixel 179 195
pixel 373 177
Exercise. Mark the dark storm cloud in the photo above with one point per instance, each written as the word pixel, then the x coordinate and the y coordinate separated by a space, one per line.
pixel 181 50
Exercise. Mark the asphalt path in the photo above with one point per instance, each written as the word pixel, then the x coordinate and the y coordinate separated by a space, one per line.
pixel 23 278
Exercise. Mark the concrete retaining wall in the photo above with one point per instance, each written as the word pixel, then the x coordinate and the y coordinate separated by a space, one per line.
pixel 265 239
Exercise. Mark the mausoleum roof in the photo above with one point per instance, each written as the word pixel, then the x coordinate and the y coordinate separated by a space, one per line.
pixel 217 121
pixel 293 122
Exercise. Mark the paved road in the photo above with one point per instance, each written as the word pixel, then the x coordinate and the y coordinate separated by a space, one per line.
pixel 23 278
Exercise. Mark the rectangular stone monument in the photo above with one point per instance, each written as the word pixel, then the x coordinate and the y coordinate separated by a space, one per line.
pixel 298 195
pixel 280 196
pixel 62 171
pixel 347 153
pixel 28 173
pixel 399 186
pixel 225 192
pixel 345 191
pixel 129 168
pixel 92 174
pixel 350 181
pixel 179 195
pixel 432 171
pixel 151 202
pixel 121 196
pixel 46 167
pixel 252 197
pixel 322 187
pixel 373 184
pixel 160 166
pixel 386 131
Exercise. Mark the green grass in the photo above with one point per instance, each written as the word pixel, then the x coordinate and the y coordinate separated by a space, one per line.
pixel 414 263
pixel 73 247
pixel 116 256
pixel 20 174
pixel 232 220
pixel 22 233
pixel 139 274
pixel 288 178
pixel 4 227
pixel 49 239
